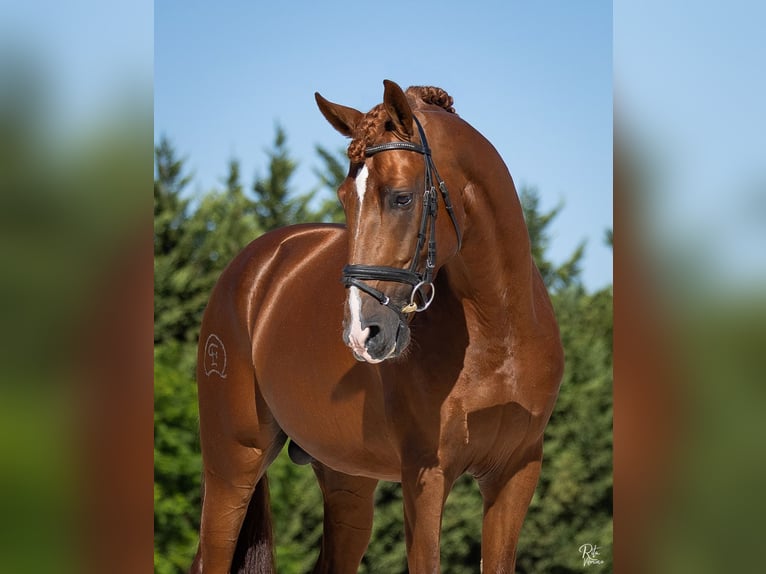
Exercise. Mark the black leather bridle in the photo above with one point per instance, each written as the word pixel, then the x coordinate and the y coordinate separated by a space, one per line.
pixel 422 282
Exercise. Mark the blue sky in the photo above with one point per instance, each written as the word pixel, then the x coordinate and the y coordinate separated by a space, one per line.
pixel 534 78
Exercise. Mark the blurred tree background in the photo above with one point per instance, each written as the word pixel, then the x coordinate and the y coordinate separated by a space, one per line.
pixel 194 239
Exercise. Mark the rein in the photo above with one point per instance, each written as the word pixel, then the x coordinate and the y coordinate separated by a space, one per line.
pixel 422 282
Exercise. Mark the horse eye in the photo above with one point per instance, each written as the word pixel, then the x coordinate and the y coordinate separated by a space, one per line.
pixel 402 199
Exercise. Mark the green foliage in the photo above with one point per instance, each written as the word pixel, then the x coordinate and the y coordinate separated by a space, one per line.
pixel 170 209
pixel 573 502
pixel 537 224
pixel 387 551
pixel 296 503
pixel 274 204
pixel 177 459
pixel 461 528
pixel 461 531
pixel 192 249
pixel 171 216
pixel 194 240
pixel 330 178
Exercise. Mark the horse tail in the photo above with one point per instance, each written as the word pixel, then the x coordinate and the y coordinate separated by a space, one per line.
pixel 255 546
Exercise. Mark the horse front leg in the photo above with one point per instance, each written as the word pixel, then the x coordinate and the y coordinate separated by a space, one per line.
pixel 424 491
pixel 507 494
pixel 348 514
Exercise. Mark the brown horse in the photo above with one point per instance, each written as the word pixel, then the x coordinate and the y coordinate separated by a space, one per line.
pixel 451 363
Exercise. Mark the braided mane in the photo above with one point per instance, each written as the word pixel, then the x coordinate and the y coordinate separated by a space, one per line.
pixel 374 122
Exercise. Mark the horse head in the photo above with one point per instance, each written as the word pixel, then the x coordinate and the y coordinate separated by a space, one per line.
pixel 391 198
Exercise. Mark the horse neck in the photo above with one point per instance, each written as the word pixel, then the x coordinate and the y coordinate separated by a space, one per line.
pixel 493 274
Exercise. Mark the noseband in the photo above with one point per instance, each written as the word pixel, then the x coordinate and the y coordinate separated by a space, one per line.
pixel 422 282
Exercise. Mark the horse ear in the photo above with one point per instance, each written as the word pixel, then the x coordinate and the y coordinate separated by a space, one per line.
pixel 398 109
pixel 342 118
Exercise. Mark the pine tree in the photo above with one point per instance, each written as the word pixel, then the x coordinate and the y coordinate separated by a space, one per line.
pixel 222 225
pixel 555 277
pixel 171 253
pixel 191 248
pixel 170 208
pixel 331 177
pixel 275 204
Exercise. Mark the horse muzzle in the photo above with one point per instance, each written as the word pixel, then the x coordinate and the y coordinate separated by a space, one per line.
pixel 373 332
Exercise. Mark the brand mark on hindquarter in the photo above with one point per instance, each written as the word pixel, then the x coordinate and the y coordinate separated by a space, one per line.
pixel 215 356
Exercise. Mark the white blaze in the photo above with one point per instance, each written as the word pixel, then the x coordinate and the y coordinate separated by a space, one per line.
pixel 361 183
pixel 357 336
pixel 361 187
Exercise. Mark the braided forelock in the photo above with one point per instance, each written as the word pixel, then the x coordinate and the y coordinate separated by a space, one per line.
pixel 366 132
pixel 373 124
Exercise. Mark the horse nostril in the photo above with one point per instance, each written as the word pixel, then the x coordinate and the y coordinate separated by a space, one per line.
pixel 374 332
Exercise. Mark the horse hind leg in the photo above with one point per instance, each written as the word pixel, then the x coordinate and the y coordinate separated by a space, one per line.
pixel 239 438
pixel 254 552
pixel 348 514
pixel 235 530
